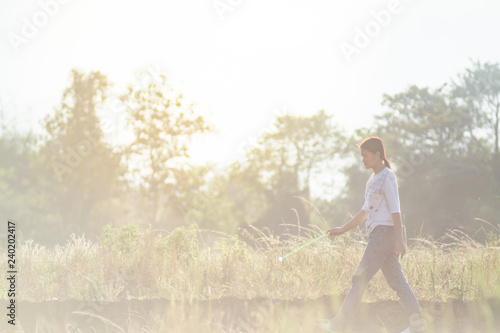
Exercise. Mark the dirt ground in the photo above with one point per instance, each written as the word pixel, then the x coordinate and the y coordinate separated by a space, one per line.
pixel 240 315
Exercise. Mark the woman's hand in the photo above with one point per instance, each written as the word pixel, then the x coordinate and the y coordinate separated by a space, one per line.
pixel 335 232
pixel 399 248
pixel 355 221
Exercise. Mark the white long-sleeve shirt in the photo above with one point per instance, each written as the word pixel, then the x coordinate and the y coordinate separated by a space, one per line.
pixel 381 199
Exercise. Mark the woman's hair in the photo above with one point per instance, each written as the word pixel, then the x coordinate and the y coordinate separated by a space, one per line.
pixel 374 145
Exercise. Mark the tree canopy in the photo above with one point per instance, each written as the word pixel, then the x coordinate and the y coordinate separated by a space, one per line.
pixel 443 143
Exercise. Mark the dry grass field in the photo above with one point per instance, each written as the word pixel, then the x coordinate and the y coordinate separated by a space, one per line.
pixel 198 281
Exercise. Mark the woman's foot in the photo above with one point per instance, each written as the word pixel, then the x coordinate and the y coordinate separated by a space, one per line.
pixel 337 324
pixel 416 324
pixel 325 325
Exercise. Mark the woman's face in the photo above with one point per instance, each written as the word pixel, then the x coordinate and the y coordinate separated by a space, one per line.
pixel 370 159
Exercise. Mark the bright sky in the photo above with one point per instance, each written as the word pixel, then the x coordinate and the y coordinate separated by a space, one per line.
pixel 240 63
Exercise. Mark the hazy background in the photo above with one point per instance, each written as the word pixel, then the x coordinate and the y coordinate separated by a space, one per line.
pixel 243 64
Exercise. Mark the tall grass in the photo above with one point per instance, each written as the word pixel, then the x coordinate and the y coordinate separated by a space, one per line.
pixel 194 264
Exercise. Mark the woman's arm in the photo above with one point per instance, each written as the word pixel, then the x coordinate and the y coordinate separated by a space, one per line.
pixel 399 247
pixel 355 221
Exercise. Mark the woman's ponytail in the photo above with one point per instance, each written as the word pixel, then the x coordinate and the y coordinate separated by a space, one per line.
pixel 387 164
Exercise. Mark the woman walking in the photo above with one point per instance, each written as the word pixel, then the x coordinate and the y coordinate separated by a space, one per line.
pixel 382 213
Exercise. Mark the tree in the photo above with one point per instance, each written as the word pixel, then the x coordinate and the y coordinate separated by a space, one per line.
pixel 288 153
pixel 85 171
pixel 280 167
pixel 163 127
pixel 477 91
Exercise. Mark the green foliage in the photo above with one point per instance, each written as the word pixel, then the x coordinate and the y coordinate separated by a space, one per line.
pixel 493 239
pixel 477 91
pixel 234 254
pixel 286 155
pixel 234 249
pixel 125 239
pixel 181 243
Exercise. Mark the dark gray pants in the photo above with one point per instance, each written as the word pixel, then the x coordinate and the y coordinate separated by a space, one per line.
pixel 379 254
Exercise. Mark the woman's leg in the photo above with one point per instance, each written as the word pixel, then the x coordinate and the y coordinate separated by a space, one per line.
pixel 380 245
pixel 394 276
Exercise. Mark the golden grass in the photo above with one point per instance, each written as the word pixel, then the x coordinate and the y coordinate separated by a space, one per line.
pixel 190 267
pixel 149 265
